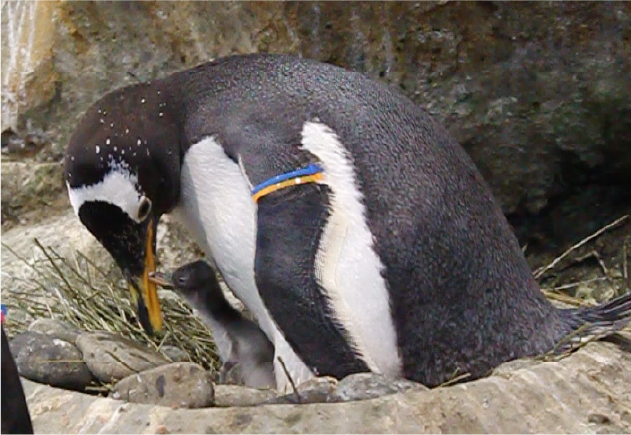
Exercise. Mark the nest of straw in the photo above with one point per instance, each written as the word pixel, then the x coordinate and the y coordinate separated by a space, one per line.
pixel 558 283
pixel 83 294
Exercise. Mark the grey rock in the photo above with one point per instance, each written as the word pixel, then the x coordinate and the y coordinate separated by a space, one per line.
pixel 49 360
pixel 508 368
pixel 24 146
pixel 111 357
pixel 27 187
pixel 316 390
pixel 359 386
pixel 55 328
pixel 587 392
pixel 175 353
pixel 238 395
pixel 177 385
pixel 362 386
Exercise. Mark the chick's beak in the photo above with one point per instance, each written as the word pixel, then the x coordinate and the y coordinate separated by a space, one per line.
pixel 161 279
pixel 149 312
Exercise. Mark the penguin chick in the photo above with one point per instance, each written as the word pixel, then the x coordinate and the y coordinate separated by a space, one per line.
pixel 245 351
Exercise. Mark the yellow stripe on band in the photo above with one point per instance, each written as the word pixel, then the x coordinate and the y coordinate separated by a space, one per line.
pixel 287 183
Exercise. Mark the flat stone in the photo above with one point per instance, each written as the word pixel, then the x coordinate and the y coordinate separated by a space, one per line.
pixel 178 385
pixel 510 367
pixel 587 392
pixel 56 329
pixel 238 395
pixel 49 360
pixel 111 357
pixel 175 353
pixel 27 186
pixel 362 386
pixel 316 390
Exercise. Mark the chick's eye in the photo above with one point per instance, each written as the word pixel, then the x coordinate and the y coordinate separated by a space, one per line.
pixel 144 209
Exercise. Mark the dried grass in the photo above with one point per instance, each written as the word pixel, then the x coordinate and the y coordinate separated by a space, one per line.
pixel 617 284
pixel 615 277
pixel 80 293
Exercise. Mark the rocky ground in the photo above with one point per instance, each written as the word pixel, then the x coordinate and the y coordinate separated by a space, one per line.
pixel 537 93
pixel 54 353
pixel 584 393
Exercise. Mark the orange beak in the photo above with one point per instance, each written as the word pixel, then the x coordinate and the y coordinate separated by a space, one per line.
pixel 148 304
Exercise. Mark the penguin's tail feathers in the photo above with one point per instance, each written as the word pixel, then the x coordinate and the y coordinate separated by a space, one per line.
pixel 592 323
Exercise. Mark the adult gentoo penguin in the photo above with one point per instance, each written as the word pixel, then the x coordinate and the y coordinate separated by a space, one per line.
pixel 244 349
pixel 350 223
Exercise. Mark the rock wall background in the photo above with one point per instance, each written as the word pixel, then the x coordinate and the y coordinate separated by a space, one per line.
pixel 539 93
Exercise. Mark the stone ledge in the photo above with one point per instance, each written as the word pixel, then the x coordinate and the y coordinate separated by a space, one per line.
pixel 588 392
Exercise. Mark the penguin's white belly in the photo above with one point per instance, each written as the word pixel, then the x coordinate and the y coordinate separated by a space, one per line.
pixel 347 266
pixel 217 209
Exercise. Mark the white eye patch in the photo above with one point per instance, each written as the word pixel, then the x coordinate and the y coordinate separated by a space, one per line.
pixel 118 188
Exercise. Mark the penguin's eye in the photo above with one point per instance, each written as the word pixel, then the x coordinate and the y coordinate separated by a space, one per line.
pixel 144 208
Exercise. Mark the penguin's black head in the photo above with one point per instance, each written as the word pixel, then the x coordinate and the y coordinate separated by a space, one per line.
pixel 193 277
pixel 122 170
pixel 195 281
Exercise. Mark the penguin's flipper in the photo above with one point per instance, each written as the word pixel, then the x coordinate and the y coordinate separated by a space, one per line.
pixel 290 223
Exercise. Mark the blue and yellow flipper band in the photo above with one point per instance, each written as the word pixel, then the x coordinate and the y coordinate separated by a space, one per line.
pixel 310 174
